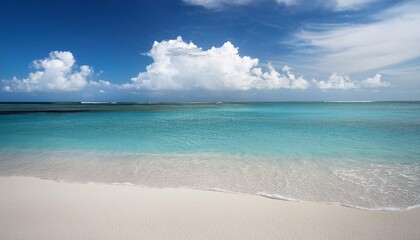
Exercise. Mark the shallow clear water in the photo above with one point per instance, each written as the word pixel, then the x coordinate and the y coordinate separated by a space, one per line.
pixel 364 155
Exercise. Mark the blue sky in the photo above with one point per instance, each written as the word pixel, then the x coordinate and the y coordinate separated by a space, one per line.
pixel 209 50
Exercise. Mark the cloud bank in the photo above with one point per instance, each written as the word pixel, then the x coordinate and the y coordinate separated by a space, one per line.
pixel 55 73
pixel 178 65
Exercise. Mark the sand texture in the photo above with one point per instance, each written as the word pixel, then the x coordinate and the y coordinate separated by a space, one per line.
pixel 32 208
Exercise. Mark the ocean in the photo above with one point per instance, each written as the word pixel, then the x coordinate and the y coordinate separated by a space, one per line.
pixel 358 154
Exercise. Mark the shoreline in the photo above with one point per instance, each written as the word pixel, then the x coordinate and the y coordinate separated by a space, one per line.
pixel 33 208
pixel 391 187
pixel 276 197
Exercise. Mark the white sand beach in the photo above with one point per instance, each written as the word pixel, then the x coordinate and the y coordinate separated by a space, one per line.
pixel 32 208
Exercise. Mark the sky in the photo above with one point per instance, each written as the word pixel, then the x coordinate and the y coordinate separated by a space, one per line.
pixel 209 50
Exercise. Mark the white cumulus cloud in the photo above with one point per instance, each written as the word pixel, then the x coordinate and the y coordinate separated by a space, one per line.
pixel 374 82
pixel 54 73
pixel 101 83
pixel 178 65
pixel 339 81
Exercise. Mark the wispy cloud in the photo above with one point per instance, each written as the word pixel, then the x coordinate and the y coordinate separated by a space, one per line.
pixel 335 5
pixel 287 2
pixel 391 37
pixel 407 69
pixel 217 4
pixel 341 5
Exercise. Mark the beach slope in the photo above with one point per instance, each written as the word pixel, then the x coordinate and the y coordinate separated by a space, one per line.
pixel 32 208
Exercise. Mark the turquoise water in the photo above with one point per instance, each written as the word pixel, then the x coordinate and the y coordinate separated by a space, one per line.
pixel 365 155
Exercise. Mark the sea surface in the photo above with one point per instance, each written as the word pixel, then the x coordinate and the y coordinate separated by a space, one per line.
pixel 358 154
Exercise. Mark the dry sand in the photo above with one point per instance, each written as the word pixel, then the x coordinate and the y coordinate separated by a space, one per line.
pixel 32 208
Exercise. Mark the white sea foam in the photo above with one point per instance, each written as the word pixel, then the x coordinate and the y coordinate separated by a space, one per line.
pixel 96 102
pixel 348 101
pixel 217 189
pixel 367 184
pixel 278 196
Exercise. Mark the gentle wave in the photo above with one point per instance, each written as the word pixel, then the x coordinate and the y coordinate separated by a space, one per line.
pixel 369 186
pixel 261 194
pixel 98 102
pixel 280 197
pixel 348 101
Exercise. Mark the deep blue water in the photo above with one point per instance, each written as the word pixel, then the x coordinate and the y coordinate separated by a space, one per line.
pixel 338 142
